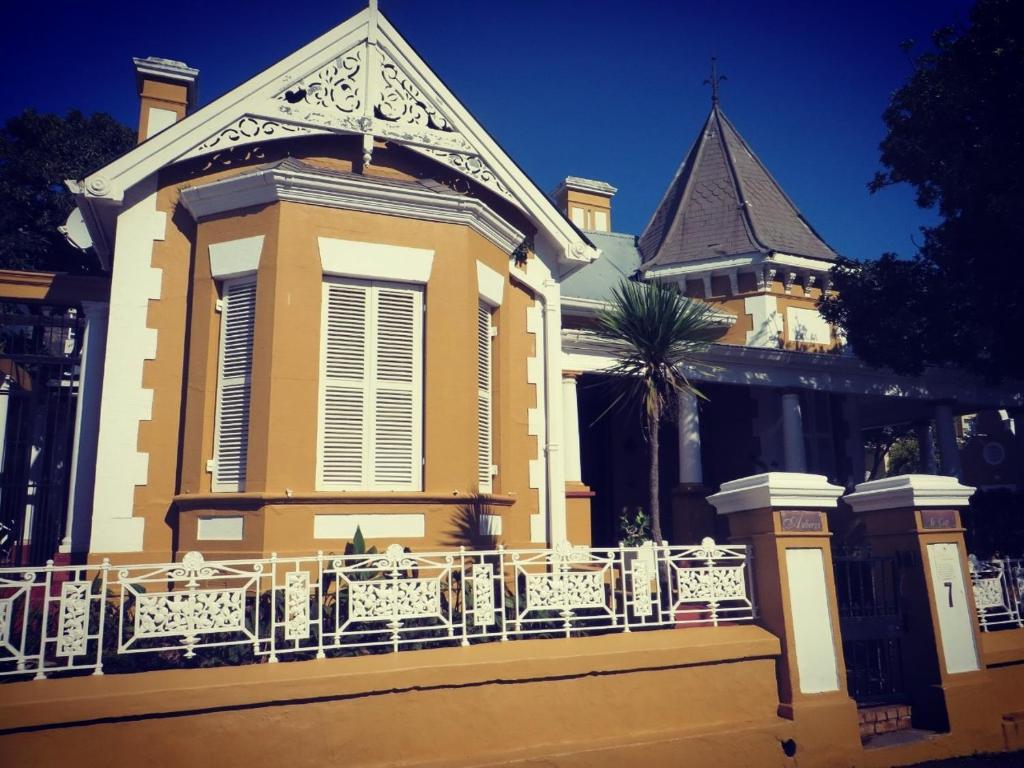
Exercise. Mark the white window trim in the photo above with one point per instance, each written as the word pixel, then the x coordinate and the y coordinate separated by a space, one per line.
pixel 235 258
pixel 490 284
pixel 374 261
pixel 369 377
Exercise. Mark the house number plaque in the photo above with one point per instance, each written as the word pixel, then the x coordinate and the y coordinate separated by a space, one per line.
pixel 801 520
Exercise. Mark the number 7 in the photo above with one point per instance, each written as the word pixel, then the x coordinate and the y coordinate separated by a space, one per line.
pixel 949 591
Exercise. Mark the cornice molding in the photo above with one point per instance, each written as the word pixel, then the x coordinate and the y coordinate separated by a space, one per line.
pixel 350 192
pixel 773 490
pixel 915 491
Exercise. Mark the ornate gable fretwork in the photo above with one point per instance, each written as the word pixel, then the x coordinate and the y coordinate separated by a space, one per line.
pixel 363 91
pixel 334 87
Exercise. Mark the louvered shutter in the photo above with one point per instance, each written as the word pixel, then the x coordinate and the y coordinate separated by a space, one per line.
pixel 371 387
pixel 397 385
pixel 231 425
pixel 342 454
pixel 483 398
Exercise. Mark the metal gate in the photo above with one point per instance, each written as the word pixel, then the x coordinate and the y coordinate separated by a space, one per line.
pixel 40 355
pixel 869 592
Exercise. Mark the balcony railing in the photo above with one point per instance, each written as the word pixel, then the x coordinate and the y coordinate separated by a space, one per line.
pixel 105 618
pixel 998 588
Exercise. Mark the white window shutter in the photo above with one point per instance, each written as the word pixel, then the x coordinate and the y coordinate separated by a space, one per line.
pixel 344 385
pixel 234 374
pixel 370 431
pixel 398 387
pixel 483 399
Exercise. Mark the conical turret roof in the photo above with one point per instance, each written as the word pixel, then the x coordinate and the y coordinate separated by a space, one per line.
pixel 723 202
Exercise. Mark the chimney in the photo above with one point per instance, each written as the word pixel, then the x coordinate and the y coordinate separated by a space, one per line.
pixel 586 202
pixel 167 92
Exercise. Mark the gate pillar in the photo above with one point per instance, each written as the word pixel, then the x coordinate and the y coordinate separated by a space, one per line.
pixel 916 518
pixel 781 517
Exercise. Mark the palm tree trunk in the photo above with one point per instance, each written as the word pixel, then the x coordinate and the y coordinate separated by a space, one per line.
pixel 652 426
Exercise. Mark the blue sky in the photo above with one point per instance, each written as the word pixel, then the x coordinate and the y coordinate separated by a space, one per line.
pixel 607 90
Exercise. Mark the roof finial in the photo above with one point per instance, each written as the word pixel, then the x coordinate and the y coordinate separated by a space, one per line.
pixel 715 80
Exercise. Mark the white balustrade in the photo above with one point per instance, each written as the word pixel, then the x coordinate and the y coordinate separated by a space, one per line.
pixel 998 588
pixel 66 619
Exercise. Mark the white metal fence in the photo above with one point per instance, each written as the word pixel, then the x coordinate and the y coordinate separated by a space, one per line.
pixel 108 618
pixel 998 588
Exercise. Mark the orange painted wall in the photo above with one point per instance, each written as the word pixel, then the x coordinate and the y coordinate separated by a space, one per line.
pixel 284 397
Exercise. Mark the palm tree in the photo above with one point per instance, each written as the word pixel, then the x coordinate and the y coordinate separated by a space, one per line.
pixel 659 332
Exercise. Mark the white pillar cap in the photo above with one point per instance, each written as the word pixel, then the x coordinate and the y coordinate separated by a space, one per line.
pixel 776 489
pixel 916 491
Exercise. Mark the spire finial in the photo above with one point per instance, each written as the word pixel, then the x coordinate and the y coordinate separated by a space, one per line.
pixel 715 80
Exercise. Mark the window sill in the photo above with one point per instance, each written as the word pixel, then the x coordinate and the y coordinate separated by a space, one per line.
pixel 256 499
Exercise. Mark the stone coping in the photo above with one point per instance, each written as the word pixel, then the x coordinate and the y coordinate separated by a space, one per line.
pixel 775 490
pixel 909 491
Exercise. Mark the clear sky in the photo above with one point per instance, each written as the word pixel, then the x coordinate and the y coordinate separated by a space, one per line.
pixel 606 90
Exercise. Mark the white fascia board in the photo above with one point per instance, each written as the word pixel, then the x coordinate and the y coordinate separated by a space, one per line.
pixel 802 263
pixel 706 266
pixel 577 307
pixel 255 98
pixel 584 350
pixel 916 491
pixel 752 261
pixel 353 193
pixel 529 195
pixel 113 179
pixel 776 490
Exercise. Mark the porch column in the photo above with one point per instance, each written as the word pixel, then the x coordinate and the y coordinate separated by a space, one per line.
pixel 781 518
pixel 915 519
pixel 854 441
pixel 571 429
pixel 949 453
pixel 577 495
pixel 691 471
pixel 82 473
pixel 925 447
pixel 793 433
pixel 692 516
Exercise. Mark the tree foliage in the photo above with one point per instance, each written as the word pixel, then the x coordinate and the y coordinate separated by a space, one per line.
pixel 955 131
pixel 659 332
pixel 37 153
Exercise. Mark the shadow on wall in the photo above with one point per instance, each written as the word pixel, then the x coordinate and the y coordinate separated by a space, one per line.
pixel 475 525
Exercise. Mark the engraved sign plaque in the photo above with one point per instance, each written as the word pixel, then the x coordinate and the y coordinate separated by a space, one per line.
pixel 801 520
pixel 938 519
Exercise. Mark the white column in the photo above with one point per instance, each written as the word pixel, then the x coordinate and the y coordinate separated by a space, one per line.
pixel 793 433
pixel 83 451
pixel 854 440
pixel 949 452
pixel 925 447
pixel 571 429
pixel 691 471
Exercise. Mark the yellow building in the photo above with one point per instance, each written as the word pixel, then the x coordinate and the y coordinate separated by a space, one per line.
pixel 336 303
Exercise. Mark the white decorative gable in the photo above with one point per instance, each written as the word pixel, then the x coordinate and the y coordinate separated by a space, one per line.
pixel 362 79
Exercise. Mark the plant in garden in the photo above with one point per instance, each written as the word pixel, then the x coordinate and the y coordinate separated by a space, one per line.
pixel 659 333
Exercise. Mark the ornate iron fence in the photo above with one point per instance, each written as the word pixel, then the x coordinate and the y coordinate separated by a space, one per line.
pixel 998 588
pixel 62 619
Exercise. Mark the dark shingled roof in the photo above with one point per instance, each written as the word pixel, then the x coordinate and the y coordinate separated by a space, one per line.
pixel 723 202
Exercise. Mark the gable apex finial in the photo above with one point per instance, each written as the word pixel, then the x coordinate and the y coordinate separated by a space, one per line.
pixel 715 80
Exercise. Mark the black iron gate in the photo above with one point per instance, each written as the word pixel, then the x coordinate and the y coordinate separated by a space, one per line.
pixel 40 355
pixel 869 592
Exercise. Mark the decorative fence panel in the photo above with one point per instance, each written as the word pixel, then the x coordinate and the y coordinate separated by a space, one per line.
pixel 130 618
pixel 998 588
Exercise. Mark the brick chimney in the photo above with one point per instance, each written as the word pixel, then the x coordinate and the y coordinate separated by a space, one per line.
pixel 586 202
pixel 167 92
